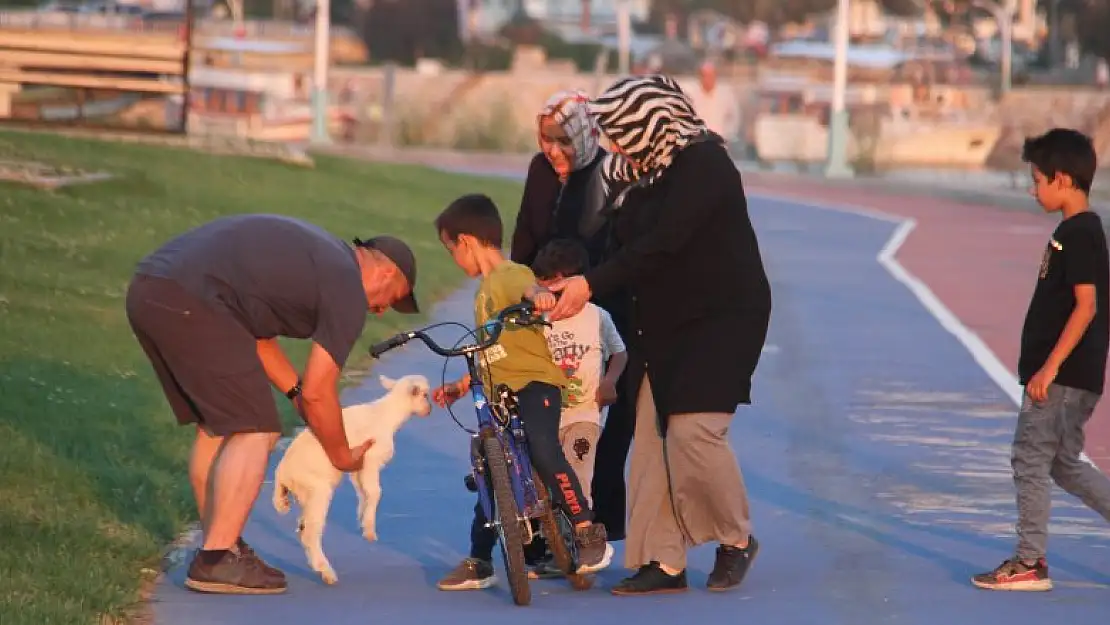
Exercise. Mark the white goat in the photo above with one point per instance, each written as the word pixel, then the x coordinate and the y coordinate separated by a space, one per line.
pixel 306 472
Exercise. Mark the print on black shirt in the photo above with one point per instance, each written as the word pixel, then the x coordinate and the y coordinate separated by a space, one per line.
pixel 1076 254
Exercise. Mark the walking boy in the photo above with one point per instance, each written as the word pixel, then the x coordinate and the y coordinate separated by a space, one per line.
pixel 471 230
pixel 1063 357
pixel 589 350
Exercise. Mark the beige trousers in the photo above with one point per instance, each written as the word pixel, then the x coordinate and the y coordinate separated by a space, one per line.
pixel 579 441
pixel 691 494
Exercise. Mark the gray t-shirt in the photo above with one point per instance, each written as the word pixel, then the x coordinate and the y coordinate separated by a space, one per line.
pixel 278 276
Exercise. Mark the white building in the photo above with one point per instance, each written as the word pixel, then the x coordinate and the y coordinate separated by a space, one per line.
pixel 487 16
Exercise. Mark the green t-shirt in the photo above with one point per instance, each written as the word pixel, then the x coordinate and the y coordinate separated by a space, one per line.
pixel 521 354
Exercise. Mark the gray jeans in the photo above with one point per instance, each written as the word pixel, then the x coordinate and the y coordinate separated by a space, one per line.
pixel 1047 445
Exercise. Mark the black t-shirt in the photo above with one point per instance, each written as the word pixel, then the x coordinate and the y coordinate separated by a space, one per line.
pixel 277 275
pixel 1076 254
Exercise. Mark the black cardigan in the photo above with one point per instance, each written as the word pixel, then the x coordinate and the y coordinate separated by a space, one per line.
pixel 698 296
pixel 534 227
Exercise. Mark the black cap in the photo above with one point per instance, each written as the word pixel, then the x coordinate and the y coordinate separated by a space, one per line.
pixel 401 255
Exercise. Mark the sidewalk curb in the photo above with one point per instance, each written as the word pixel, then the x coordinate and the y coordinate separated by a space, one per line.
pixel 498 164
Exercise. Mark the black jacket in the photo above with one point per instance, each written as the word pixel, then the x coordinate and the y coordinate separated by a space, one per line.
pixel 549 211
pixel 699 299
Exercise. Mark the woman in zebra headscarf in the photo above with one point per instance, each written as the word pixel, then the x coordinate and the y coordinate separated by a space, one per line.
pixel 700 307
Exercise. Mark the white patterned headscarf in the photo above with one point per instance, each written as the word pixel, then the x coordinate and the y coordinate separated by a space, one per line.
pixel 570 109
pixel 648 120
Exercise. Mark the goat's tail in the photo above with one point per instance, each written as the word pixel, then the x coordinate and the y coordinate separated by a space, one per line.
pixel 281 495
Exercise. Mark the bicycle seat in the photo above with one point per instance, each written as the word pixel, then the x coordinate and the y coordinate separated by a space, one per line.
pixel 504 404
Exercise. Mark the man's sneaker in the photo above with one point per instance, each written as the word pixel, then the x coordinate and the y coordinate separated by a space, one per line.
pixel 230 572
pixel 1013 574
pixel 470 574
pixel 651 580
pixel 594 551
pixel 246 550
pixel 731 565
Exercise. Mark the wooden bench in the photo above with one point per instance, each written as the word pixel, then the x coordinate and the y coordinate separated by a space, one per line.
pixel 142 63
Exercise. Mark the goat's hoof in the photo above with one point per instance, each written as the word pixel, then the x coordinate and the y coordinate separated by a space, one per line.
pixel 329 577
pixel 370 534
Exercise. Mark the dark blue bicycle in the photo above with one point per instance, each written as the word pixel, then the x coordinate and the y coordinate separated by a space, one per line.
pixel 510 490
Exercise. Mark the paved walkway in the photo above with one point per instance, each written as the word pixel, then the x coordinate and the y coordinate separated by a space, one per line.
pixel 876 454
pixel 978 261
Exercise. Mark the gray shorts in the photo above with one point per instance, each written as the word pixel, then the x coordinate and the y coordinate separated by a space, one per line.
pixel 206 361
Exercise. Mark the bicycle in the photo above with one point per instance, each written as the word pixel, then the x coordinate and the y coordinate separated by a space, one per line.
pixel 501 464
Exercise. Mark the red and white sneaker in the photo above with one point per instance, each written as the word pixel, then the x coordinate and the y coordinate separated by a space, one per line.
pixel 1013 574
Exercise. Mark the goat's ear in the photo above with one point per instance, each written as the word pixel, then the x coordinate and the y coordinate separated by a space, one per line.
pixel 387 382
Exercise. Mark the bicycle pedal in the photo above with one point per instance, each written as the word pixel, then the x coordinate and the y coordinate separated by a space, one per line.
pixel 471 483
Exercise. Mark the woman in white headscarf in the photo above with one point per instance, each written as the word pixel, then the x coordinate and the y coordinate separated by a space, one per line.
pixel 562 178
pixel 562 190
pixel 700 306
pixel 563 195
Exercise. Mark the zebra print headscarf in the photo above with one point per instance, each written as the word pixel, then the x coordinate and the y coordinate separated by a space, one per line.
pixel 648 119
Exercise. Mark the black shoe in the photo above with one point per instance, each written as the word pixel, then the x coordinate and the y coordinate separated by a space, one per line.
pixel 471 483
pixel 651 580
pixel 229 572
pixel 732 565
pixel 536 551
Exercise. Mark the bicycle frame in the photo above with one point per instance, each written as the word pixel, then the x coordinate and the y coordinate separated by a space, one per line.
pixel 514 442
pixel 510 436
pixel 501 431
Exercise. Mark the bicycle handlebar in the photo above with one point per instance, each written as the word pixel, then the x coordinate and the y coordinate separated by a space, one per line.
pixel 522 314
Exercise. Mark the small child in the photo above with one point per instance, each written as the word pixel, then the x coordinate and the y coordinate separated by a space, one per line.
pixel 471 230
pixel 1063 357
pixel 591 353
pixel 589 350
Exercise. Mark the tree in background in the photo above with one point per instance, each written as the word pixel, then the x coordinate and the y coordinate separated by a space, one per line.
pixel 1092 25
pixel 1091 19
pixel 403 31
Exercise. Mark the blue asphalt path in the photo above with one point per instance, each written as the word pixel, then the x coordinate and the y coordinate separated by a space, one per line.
pixel 876 454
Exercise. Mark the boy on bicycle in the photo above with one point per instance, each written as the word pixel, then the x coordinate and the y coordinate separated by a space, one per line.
pixel 591 353
pixel 471 230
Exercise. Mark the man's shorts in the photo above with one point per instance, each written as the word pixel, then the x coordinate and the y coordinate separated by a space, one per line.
pixel 579 441
pixel 205 359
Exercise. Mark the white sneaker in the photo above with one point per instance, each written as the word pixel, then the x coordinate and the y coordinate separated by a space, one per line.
pixel 604 563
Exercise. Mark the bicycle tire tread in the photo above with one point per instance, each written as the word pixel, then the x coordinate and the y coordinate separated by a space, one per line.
pixel 556 541
pixel 512 540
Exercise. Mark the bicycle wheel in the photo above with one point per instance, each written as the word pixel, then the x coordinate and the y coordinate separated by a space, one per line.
pixel 512 539
pixel 559 532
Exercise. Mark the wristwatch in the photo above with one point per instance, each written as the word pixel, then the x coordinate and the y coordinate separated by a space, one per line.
pixel 295 391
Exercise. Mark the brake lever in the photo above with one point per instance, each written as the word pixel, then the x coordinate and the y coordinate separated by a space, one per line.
pixel 534 321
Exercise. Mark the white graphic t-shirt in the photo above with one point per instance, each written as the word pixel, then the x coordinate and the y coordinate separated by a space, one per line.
pixel 580 347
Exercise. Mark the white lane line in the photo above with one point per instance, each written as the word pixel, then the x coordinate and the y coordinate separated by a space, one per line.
pixel 887 257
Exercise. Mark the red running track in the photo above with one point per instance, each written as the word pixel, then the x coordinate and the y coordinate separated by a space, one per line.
pixel 979 260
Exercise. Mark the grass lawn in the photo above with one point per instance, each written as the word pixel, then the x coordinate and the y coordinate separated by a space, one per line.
pixel 93 466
